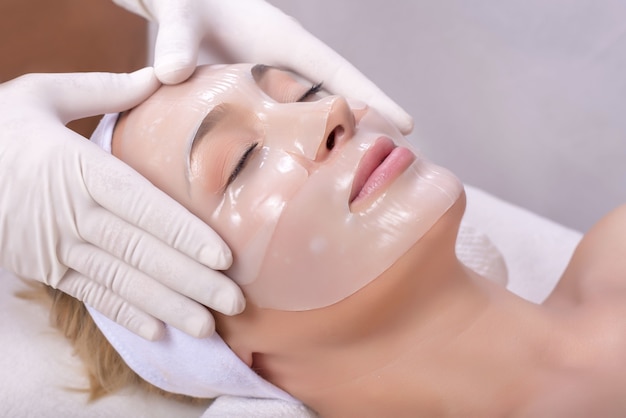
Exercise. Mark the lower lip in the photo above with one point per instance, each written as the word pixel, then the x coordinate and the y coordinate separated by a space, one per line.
pixel 390 169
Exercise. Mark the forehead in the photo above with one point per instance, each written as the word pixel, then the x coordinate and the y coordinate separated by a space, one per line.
pixel 157 133
pixel 153 135
pixel 172 112
pixel 209 83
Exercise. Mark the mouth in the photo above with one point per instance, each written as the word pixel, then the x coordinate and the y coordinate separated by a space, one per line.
pixel 382 163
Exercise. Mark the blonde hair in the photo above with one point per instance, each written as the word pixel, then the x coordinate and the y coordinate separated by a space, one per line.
pixel 106 370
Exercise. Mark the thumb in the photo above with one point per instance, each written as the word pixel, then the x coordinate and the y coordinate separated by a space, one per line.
pixel 78 95
pixel 177 42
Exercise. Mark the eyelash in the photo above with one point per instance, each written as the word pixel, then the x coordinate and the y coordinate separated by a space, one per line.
pixel 315 88
pixel 241 164
pixel 310 92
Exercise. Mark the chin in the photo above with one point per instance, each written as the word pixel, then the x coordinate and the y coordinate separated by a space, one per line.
pixel 411 275
pixel 439 243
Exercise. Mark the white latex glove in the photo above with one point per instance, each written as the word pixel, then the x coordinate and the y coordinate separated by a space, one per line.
pixel 256 32
pixel 80 220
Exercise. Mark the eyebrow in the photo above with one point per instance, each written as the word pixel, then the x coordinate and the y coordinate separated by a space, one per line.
pixel 209 122
pixel 219 113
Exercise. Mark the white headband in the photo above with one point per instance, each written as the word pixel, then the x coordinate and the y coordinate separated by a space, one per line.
pixel 179 363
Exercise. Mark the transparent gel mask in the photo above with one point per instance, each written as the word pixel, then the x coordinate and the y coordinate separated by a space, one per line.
pixel 300 239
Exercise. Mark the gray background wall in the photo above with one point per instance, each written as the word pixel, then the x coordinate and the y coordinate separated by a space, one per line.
pixel 525 99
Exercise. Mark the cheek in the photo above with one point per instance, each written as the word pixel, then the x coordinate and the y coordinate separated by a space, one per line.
pixel 298 247
pixel 251 208
pixel 321 253
pixel 314 245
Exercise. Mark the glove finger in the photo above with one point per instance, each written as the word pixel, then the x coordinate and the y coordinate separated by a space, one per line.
pixel 111 305
pixel 163 263
pixel 177 42
pixel 125 193
pixel 78 95
pixel 102 274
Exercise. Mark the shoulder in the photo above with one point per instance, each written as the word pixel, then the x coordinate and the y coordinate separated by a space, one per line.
pixel 598 265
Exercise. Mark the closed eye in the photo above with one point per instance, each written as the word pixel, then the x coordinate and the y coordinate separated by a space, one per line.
pixel 241 163
pixel 315 88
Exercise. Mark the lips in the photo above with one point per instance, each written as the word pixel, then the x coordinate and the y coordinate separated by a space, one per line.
pixel 382 163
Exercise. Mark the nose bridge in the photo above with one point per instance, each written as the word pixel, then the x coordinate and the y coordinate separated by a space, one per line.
pixel 297 128
pixel 302 129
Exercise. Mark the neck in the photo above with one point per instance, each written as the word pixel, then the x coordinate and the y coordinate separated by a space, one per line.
pixel 441 356
pixel 427 337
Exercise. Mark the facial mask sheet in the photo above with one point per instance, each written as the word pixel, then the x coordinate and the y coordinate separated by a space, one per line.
pixel 298 243
pixel 321 251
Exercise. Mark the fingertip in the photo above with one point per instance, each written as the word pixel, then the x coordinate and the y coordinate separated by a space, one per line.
pixel 230 300
pixel 405 124
pixel 177 42
pixel 396 114
pixel 174 71
pixel 238 305
pixel 200 326
pixel 217 257
pixel 151 331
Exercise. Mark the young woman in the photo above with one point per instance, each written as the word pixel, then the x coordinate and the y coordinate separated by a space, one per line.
pixel 344 245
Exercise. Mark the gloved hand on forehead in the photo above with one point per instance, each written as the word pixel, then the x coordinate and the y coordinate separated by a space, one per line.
pixel 78 219
pixel 256 32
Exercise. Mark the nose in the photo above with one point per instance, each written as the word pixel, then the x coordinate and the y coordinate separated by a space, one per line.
pixel 340 126
pixel 310 131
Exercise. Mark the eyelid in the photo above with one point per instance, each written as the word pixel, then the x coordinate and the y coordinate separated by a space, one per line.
pixel 241 164
pixel 210 122
pixel 283 86
pixel 315 88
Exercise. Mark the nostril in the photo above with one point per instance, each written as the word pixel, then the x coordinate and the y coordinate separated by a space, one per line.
pixel 330 141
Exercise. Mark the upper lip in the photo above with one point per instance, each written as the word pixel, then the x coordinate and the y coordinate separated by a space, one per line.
pixel 372 159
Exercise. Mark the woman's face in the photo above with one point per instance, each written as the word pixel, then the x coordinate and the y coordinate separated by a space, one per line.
pixel 315 195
